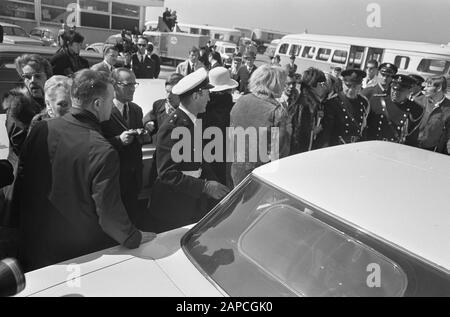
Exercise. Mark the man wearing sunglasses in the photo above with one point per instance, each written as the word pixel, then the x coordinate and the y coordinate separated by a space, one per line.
pixel 142 64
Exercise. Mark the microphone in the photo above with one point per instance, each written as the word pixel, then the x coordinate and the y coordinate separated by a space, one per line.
pixel 12 279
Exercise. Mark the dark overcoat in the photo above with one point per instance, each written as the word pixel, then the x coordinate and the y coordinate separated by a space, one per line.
pixel 67 192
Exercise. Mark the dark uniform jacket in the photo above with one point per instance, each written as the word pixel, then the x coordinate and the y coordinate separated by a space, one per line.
pixel 242 77
pixel 64 63
pixel 130 155
pixel 344 120
pixel 177 198
pixel 157 63
pixel 67 192
pixel 386 121
pixel 144 69
pixel 434 128
pixel 158 114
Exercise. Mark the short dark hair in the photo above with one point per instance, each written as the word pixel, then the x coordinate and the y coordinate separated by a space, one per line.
pixel 194 49
pixel 87 85
pixel 73 37
pixel 110 48
pixel 312 76
pixel 39 63
pixel 143 38
pixel 438 81
pixel 373 62
pixel 150 47
pixel 216 56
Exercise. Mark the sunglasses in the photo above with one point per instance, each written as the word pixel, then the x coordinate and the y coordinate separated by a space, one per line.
pixel 142 45
pixel 128 85
pixel 37 76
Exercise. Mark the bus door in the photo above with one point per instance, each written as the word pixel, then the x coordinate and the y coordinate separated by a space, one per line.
pixel 356 57
pixel 374 53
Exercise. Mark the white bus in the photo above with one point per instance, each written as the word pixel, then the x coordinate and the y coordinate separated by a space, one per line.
pixel 214 32
pixel 326 51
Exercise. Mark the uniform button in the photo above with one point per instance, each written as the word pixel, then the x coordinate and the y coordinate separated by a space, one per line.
pixel 346 124
pixel 346 117
pixel 343 110
pixel 381 122
pixel 346 131
pixel 379 129
pixel 381 116
pixel 398 128
pixel 401 121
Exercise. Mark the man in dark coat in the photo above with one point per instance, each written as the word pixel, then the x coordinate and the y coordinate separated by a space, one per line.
pixel 434 128
pixel 385 119
pixel 141 62
pixel 68 60
pixel 67 192
pixel 185 183
pixel 155 58
pixel 21 105
pixel 244 72
pixel 345 114
pixel 123 130
pixel 161 110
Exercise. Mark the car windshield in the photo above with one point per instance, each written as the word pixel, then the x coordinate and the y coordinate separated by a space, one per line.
pixel 263 242
pixel 16 31
pixel 229 49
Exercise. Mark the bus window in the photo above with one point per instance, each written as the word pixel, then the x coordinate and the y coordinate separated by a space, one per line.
pixel 295 50
pixel 217 36
pixel 194 31
pixel 433 66
pixel 308 52
pixel 323 54
pixel 283 48
pixel 356 56
pixel 205 32
pixel 231 38
pixel 339 57
pixel 401 62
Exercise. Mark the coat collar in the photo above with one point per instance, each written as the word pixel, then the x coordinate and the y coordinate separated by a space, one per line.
pixel 83 118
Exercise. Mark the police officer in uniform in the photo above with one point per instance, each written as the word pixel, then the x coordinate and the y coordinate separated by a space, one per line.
pixel 345 114
pixel 385 119
pixel 401 88
pixel 186 186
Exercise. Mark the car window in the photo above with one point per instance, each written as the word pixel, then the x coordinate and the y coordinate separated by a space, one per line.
pixel 19 32
pixel 433 66
pixel 261 241
pixel 229 50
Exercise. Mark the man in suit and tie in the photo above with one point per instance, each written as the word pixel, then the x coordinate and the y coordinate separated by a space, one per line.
pixel 141 62
pixel 109 60
pixel 191 64
pixel 124 131
pixel 245 71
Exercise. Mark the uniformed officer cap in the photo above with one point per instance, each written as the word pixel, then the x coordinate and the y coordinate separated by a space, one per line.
pixel 388 69
pixel 353 76
pixel 191 83
pixel 402 82
pixel 418 79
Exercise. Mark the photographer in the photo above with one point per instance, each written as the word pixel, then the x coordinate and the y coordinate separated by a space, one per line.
pixel 67 60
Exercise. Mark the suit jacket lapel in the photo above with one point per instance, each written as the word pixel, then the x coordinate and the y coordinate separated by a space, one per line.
pixel 118 118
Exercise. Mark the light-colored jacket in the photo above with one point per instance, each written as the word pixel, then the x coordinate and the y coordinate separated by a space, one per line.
pixel 101 67
pixel 182 68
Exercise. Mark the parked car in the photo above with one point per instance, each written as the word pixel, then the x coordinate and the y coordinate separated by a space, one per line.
pixel 362 219
pixel 227 51
pixel 96 47
pixel 47 35
pixel 14 34
pixel 8 53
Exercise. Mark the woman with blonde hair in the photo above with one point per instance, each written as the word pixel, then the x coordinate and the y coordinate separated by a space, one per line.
pixel 259 112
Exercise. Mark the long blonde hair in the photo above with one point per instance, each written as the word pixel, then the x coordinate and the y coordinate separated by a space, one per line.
pixel 268 81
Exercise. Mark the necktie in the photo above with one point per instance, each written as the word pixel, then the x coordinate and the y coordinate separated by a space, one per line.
pixel 125 112
pixel 189 70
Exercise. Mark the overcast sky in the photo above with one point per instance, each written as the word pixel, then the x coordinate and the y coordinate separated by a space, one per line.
pixel 415 20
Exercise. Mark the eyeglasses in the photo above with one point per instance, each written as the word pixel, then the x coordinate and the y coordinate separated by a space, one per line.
pixel 37 76
pixel 128 85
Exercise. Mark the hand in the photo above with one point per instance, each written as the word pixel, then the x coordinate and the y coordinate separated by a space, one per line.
pixel 147 236
pixel 150 126
pixel 215 190
pixel 127 137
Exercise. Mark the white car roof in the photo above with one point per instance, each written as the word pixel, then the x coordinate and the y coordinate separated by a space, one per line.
pixel 397 193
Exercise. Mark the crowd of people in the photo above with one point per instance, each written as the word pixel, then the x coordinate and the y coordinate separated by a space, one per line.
pixel 74 170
